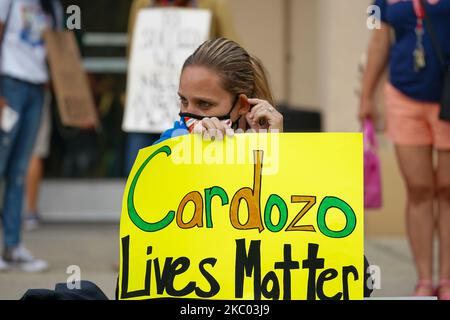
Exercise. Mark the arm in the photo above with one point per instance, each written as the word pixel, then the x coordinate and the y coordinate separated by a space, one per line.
pixel 377 59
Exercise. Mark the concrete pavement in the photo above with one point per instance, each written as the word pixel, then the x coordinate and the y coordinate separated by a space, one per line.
pixel 94 247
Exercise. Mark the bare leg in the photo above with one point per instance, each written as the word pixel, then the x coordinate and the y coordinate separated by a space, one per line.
pixel 34 178
pixel 443 195
pixel 416 165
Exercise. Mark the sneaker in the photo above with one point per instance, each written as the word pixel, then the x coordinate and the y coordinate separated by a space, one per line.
pixel 31 222
pixel 3 265
pixel 22 257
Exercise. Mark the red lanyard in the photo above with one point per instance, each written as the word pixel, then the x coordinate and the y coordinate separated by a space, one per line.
pixel 419 51
pixel 420 13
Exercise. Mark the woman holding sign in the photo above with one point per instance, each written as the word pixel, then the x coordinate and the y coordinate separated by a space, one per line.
pixel 413 123
pixel 222 89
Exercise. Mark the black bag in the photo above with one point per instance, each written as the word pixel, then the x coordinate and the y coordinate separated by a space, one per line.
pixel 86 290
pixel 445 100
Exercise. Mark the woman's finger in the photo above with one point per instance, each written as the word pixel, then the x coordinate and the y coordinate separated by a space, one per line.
pixel 255 101
pixel 264 116
pixel 209 126
pixel 259 106
pixel 219 128
pixel 199 128
pixel 214 129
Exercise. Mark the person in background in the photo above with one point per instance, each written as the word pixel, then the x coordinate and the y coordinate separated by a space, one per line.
pixel 412 98
pixel 221 26
pixel 24 74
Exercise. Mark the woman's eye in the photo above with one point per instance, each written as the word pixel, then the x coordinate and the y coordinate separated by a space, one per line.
pixel 204 104
pixel 183 102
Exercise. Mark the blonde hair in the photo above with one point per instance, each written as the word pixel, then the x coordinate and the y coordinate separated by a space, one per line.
pixel 240 72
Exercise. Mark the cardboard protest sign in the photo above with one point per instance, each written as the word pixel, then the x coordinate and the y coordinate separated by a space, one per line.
pixel 257 216
pixel 162 40
pixel 73 95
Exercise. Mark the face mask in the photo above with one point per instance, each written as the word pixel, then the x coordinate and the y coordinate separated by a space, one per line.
pixel 192 120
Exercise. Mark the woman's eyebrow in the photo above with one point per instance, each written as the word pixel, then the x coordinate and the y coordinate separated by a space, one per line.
pixel 199 99
pixel 205 100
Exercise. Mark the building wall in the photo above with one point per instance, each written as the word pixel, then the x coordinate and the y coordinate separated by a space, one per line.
pixel 259 25
pixel 304 62
pixel 326 40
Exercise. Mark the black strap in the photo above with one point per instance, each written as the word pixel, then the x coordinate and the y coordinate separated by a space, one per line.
pixel 434 40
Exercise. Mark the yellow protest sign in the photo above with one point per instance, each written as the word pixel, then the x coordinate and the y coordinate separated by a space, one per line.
pixel 256 216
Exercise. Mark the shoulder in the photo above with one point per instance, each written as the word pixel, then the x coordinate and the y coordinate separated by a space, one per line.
pixel 380 2
pixel 179 129
pixel 382 6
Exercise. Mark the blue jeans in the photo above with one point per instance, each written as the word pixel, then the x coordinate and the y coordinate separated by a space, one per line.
pixel 16 147
pixel 136 141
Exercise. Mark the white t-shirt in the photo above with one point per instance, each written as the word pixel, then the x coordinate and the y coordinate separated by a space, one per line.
pixel 23 53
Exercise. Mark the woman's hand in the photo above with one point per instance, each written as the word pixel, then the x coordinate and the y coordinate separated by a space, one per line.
pixel 263 116
pixel 366 109
pixel 213 129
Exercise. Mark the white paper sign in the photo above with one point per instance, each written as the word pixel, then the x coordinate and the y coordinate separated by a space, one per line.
pixel 163 39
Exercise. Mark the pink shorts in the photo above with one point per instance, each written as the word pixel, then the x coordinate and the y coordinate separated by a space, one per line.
pixel 414 123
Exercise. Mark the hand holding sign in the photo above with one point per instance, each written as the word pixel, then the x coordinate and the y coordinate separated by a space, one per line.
pixel 213 129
